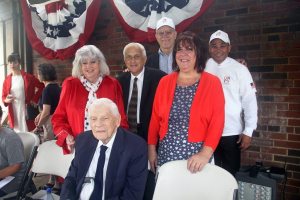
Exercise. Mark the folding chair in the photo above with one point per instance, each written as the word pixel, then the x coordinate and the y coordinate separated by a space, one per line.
pixel 176 182
pixel 51 160
pixel 30 142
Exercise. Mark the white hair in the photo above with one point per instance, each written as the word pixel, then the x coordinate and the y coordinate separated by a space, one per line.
pixel 136 45
pixel 107 103
pixel 89 52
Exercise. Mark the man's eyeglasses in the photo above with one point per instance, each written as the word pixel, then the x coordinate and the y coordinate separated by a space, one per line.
pixel 164 33
pixel 135 57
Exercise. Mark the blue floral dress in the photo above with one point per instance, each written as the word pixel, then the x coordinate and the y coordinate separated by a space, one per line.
pixel 175 145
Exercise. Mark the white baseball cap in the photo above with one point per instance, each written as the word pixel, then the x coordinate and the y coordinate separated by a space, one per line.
pixel 165 21
pixel 220 35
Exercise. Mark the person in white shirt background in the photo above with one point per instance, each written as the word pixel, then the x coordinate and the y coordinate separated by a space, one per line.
pixel 240 102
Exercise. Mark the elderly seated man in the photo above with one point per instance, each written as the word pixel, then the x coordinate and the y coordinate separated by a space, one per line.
pixel 11 159
pixel 109 162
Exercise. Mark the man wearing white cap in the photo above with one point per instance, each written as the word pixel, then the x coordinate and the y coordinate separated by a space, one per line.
pixel 165 36
pixel 240 102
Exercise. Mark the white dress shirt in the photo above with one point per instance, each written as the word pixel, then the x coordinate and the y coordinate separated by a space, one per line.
pixel 139 83
pixel 87 188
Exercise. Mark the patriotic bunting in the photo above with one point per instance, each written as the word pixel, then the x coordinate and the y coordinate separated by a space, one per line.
pixel 57 28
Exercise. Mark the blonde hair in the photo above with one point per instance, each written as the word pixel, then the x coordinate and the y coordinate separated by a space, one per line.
pixel 89 52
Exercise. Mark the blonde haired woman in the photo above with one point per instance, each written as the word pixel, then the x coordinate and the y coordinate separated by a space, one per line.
pixel 90 80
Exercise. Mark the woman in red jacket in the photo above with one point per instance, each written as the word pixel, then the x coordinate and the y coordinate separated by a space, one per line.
pixel 90 80
pixel 188 110
pixel 19 90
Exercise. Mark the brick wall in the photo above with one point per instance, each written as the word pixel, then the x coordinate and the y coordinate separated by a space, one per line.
pixel 267 34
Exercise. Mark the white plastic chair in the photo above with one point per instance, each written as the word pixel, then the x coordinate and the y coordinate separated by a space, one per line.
pixel 51 160
pixel 177 183
pixel 29 140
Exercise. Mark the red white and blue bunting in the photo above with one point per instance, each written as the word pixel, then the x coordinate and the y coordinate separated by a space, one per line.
pixel 138 17
pixel 57 28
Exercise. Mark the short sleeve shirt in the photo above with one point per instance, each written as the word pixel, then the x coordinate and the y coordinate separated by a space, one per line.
pixel 11 152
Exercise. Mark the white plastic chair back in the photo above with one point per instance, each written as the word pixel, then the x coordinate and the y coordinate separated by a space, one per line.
pixel 177 183
pixel 29 140
pixel 51 160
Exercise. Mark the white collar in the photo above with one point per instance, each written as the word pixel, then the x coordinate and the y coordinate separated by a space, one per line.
pixel 110 142
pixel 140 76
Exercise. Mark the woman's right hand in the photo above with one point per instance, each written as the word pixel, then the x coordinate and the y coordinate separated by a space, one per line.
pixel 152 156
pixel 70 142
pixel 9 98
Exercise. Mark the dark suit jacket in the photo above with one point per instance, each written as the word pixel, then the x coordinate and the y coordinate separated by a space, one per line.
pixel 150 82
pixel 126 172
pixel 153 61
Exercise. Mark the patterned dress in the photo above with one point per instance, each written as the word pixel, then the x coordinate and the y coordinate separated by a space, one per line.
pixel 175 145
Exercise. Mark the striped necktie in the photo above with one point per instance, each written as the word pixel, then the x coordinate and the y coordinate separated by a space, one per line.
pixel 132 108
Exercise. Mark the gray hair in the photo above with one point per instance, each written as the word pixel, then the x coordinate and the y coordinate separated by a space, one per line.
pixel 107 103
pixel 136 45
pixel 89 52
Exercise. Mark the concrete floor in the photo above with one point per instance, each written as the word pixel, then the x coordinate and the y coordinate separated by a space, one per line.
pixel 40 180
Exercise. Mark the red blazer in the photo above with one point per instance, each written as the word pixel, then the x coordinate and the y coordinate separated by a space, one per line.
pixel 33 90
pixel 68 117
pixel 206 113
